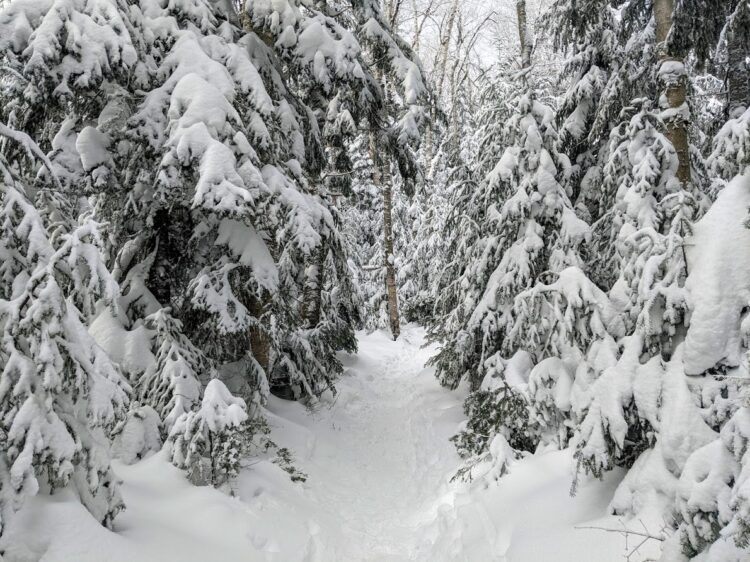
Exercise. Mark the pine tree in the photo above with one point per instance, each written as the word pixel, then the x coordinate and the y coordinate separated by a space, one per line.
pixel 586 32
pixel 60 394
pixel 454 283
pixel 531 234
pixel 208 443
pixel 649 222
pixel 171 385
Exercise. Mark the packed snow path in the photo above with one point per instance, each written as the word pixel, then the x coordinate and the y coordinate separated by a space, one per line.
pixel 379 462
pixel 382 455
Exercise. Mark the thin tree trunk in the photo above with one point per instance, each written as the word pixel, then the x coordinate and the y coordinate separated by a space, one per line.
pixel 673 79
pixel 445 42
pixel 440 71
pixel 738 71
pixel 260 346
pixel 417 31
pixel 523 34
pixel 313 294
pixel 453 88
pixel 381 179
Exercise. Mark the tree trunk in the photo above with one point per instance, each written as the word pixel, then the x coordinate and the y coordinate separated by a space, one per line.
pixel 523 34
pixel 416 31
pixel 738 69
pixel 381 179
pixel 313 294
pixel 440 70
pixel 453 125
pixel 445 43
pixel 260 346
pixel 673 81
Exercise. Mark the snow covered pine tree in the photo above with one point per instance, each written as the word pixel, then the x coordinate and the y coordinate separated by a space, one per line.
pixel 60 394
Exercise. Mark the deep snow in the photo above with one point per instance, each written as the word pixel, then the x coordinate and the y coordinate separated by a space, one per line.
pixel 378 460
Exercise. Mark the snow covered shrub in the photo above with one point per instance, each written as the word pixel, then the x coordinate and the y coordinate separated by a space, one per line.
pixel 208 443
pixel 60 394
pixel 285 460
pixel 171 385
pixel 499 408
pixel 703 495
pixel 138 435
pixel 712 518
pixel 609 432
pixel 736 438
pixel 643 416
pixel 492 412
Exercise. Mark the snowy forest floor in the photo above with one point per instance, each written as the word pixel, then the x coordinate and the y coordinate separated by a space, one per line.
pixel 379 462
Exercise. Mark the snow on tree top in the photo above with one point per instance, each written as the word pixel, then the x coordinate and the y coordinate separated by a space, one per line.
pixel 220 409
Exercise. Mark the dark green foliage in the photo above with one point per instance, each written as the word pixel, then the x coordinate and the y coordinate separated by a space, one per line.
pixel 491 412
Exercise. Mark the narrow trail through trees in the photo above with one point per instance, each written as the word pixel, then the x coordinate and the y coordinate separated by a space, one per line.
pixel 382 458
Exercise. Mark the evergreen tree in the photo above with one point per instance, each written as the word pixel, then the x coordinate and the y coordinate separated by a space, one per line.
pixel 208 442
pixel 531 234
pixel 171 383
pixel 60 394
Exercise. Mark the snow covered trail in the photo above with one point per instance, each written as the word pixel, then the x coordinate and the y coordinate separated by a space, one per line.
pixel 379 462
pixel 381 456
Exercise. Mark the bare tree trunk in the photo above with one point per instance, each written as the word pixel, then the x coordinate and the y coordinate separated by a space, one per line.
pixel 416 31
pixel 453 87
pixel 313 293
pixel 673 78
pixel 381 179
pixel 523 34
pixel 260 346
pixel 738 71
pixel 440 72
pixel 445 42
pixel 420 20
pixel 392 9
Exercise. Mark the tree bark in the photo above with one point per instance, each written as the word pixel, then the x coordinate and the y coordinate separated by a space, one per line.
pixel 440 72
pixel 416 28
pixel 738 69
pixel 673 81
pixel 313 294
pixel 381 179
pixel 260 346
pixel 523 34
pixel 445 42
